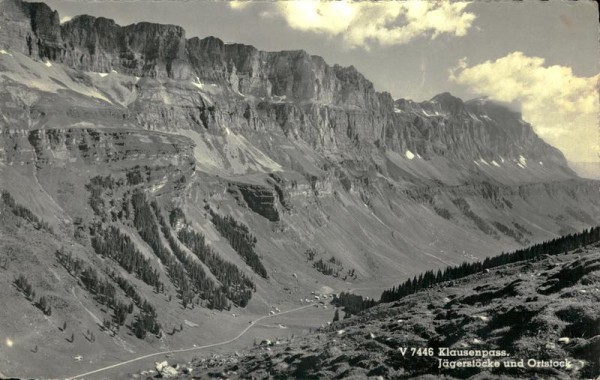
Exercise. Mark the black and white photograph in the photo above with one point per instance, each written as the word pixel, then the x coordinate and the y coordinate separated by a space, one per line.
pixel 301 189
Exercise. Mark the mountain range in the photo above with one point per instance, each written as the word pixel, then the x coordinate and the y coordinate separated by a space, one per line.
pixel 154 184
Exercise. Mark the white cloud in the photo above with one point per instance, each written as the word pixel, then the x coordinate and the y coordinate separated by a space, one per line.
pixel 238 4
pixel 64 19
pixel 385 23
pixel 562 107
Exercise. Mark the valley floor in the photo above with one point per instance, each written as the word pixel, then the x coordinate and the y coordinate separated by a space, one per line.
pixel 286 324
pixel 124 368
pixel 237 333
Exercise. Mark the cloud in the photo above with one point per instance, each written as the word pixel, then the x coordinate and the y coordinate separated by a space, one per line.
pixel 64 19
pixel 361 24
pixel 562 107
pixel 239 4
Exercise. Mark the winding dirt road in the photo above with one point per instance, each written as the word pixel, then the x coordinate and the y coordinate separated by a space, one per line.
pixel 238 336
pixel 198 348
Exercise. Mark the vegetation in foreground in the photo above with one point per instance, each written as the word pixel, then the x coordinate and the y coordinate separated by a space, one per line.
pixel 541 310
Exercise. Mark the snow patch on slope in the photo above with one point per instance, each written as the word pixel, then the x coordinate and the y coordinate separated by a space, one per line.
pixel 197 83
pixel 522 161
pixel 43 76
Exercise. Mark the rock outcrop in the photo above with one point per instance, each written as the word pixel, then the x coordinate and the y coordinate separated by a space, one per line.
pixel 260 199
pixel 61 146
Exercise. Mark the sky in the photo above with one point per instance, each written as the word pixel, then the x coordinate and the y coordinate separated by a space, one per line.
pixel 542 56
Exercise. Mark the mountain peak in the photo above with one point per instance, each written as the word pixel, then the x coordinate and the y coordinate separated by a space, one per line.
pixel 445 96
pixel 449 102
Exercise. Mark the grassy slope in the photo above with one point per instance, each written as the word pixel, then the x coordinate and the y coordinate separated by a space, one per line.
pixel 512 308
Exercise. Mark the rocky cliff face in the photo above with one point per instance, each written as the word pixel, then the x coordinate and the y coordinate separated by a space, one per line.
pixel 30 28
pixel 477 129
pixel 93 44
pixel 59 146
pixel 330 107
pixel 143 49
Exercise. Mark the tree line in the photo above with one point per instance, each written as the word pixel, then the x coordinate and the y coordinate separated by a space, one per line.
pixel 185 272
pixel 111 243
pixel 105 294
pixel 26 288
pixel 187 275
pixel 553 247
pixel 148 230
pixel 128 288
pixel 237 286
pixel 241 240
pixel 213 294
pixel 25 213
pixel 332 267
pixel 146 320
pixel 352 303
pixel 96 187
pixel 102 290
